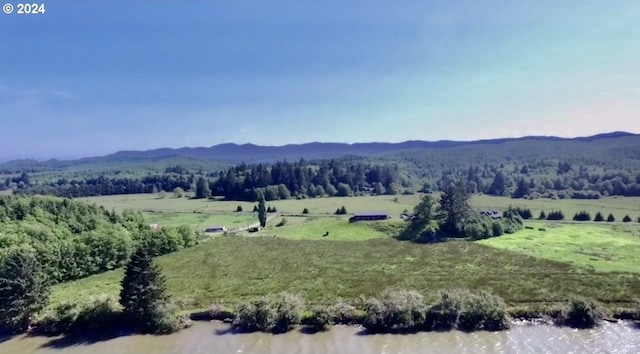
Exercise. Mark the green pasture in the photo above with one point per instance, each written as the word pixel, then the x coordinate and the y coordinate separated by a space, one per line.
pixel 618 206
pixel 603 248
pixel 234 268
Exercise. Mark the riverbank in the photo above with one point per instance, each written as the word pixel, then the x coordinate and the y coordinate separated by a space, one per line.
pixel 215 338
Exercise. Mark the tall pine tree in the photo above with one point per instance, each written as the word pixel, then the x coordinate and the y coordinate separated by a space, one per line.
pixel 23 289
pixel 143 293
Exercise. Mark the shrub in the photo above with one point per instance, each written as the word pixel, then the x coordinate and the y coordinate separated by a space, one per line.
pixel 59 320
pixel 288 309
pixel 255 316
pixel 341 211
pixel 467 311
pixel 626 218
pixel 100 315
pixel 542 216
pixel 255 208
pixel 97 316
pixel 582 313
pixel 582 216
pixel 279 314
pixel 524 213
pixel 483 311
pixel 345 313
pixel 305 211
pixel 321 317
pixel 443 314
pixel 282 222
pixel 374 320
pixel 555 215
pixel 611 218
pixel 239 208
pixel 598 217
pixel 497 229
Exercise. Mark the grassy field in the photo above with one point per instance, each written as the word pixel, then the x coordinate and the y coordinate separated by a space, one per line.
pixel 604 248
pixel 601 261
pixel 618 206
pixel 231 269
pixel 315 228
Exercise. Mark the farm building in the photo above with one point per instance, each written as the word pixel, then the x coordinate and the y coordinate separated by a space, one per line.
pixel 370 216
pixel 213 229
pixel 494 214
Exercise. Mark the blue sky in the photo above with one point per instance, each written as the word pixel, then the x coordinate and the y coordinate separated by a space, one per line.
pixel 93 77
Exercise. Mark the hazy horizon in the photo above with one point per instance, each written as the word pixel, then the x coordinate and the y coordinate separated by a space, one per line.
pixel 92 78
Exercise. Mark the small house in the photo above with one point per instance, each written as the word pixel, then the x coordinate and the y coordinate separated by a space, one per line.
pixel 371 216
pixel 214 229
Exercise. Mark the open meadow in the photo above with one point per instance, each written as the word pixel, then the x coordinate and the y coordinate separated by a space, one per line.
pixel 207 212
pixel 232 269
pixel 324 257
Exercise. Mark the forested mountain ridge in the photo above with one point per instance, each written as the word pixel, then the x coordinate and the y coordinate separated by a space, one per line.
pixel 229 153
pixel 533 167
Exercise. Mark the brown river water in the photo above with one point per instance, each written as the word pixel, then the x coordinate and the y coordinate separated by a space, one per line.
pixel 207 338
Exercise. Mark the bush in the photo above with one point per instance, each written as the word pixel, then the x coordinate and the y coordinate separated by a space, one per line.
pixel 341 211
pixel 255 316
pixel 497 229
pixel 239 208
pixel 282 222
pixel 524 213
pixel 321 317
pixel 60 320
pixel 401 309
pixel 279 314
pixel 598 217
pixel 542 216
pixel 289 309
pixel 555 215
pixel 305 211
pixel 467 311
pixel 582 216
pixel 611 218
pixel 255 208
pixel 345 313
pixel 626 218
pixel 98 316
pixel 582 313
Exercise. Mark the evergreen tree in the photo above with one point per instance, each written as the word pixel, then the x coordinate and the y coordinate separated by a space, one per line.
pixel 598 217
pixel 455 209
pixel 202 188
pixel 23 289
pixel 626 218
pixel 611 218
pixel 143 293
pixel 262 213
pixel 542 216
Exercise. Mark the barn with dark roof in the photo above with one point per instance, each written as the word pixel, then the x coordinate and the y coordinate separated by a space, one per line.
pixel 369 216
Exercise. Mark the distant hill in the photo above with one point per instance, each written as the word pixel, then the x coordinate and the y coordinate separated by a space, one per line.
pixel 250 153
pixel 624 143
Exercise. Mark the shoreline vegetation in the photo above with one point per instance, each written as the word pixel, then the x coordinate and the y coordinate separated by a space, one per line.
pixel 392 311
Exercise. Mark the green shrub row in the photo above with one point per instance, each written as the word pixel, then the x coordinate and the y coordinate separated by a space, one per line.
pixel 399 311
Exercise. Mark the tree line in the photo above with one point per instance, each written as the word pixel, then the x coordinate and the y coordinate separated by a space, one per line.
pixel 74 239
pixel 556 179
